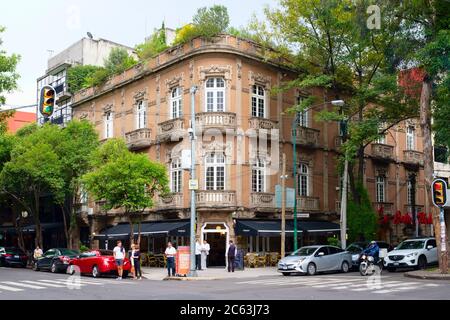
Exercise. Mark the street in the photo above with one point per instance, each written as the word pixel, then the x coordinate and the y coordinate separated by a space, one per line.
pixel 25 284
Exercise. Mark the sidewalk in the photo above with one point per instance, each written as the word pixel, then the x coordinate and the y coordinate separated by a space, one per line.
pixel 213 273
pixel 430 275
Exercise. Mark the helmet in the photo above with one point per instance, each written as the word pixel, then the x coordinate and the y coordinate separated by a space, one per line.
pixel 373 242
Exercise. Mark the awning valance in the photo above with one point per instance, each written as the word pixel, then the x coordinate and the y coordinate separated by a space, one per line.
pixel 32 228
pixel 272 228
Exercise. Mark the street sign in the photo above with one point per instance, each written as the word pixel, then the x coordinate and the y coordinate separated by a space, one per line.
pixel 186 159
pixel 290 197
pixel 193 184
pixel 302 215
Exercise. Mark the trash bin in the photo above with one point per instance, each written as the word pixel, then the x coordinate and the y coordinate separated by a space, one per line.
pixel 239 260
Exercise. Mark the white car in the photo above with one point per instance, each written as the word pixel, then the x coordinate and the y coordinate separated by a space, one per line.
pixel 412 253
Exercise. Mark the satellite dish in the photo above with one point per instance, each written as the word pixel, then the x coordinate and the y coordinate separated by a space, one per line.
pixel 90 35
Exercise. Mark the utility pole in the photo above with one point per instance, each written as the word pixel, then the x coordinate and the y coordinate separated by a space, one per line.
pixel 294 141
pixel 412 181
pixel 193 272
pixel 283 208
pixel 344 207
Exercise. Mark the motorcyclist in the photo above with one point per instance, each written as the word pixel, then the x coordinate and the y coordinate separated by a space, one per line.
pixel 373 250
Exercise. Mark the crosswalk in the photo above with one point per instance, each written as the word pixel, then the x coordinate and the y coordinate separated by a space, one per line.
pixel 356 284
pixel 71 282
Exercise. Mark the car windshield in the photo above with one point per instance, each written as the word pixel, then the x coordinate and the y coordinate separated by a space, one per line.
pixel 305 251
pixel 354 248
pixel 68 252
pixel 407 245
pixel 13 251
pixel 106 252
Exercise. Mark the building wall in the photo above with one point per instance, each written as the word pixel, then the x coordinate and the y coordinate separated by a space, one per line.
pixel 19 120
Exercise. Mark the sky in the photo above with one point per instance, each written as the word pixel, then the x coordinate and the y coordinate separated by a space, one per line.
pixel 36 27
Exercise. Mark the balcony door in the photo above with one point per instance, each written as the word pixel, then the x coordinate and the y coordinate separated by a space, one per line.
pixel 215 171
pixel 215 94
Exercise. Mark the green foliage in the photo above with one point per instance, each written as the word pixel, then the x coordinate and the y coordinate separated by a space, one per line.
pixel 77 77
pixel 8 74
pixel 118 61
pixel 211 21
pixel 333 241
pixel 83 248
pixel 186 33
pixel 361 217
pixel 155 45
pixel 98 77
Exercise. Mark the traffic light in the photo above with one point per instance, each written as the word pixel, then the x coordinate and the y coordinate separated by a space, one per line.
pixel 439 192
pixel 47 101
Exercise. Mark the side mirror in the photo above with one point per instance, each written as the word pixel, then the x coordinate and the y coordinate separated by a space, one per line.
pixel 429 247
pixel 320 254
pixel 395 248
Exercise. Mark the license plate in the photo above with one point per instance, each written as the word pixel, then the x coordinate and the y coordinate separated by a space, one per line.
pixel 16 257
pixel 396 263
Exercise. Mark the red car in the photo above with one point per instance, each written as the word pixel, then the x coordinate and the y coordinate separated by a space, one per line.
pixel 97 263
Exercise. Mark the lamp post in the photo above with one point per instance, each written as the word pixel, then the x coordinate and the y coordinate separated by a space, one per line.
pixel 294 141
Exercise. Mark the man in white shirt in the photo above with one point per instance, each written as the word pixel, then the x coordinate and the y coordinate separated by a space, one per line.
pixel 119 256
pixel 170 255
pixel 205 254
pixel 198 255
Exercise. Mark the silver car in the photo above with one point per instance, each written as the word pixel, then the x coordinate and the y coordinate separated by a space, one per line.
pixel 312 259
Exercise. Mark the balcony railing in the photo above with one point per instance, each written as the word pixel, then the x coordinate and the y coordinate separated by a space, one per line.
pixel 382 151
pixel 306 136
pixel 171 201
pixel 262 123
pixel 413 157
pixel 171 130
pixel 388 207
pixel 262 200
pixel 308 203
pixel 213 198
pixel 139 139
pixel 419 208
pixel 217 120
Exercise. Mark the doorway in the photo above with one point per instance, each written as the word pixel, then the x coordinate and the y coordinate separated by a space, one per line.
pixel 217 242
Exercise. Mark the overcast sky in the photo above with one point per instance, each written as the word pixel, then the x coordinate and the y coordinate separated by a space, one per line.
pixel 34 27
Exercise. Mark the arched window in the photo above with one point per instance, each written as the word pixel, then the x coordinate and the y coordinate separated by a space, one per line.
pixel 380 188
pixel 259 176
pixel 410 138
pixel 215 171
pixel 215 95
pixel 258 102
pixel 141 115
pixel 303 180
pixel 175 176
pixel 175 103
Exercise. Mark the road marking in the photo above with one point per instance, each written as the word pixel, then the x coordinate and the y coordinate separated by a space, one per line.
pixel 22 285
pixel 76 280
pixel 10 289
pixel 61 282
pixel 44 284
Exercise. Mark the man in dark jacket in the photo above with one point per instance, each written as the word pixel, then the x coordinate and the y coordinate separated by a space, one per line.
pixel 231 255
pixel 373 250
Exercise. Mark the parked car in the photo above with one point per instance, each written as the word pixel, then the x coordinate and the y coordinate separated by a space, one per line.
pixel 55 260
pixel 97 263
pixel 312 259
pixel 12 256
pixel 412 253
pixel 356 248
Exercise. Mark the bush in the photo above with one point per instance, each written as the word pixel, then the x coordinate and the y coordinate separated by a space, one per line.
pixel 97 78
pixel 118 61
pixel 154 46
pixel 362 219
pixel 211 21
pixel 186 33
pixel 77 76
pixel 333 241
pixel 83 248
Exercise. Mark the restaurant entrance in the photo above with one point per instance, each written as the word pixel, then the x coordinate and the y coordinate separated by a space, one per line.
pixel 217 236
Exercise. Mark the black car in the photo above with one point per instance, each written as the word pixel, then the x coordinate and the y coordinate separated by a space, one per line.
pixel 55 260
pixel 356 248
pixel 12 256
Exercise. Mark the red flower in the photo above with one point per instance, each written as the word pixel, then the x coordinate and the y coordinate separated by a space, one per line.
pixel 397 217
pixel 430 219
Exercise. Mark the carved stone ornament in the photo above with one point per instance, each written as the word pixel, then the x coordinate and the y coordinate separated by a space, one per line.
pixel 214 70
pixel 108 108
pixel 191 70
pixel 176 81
pixel 216 146
pixel 139 95
pixel 258 78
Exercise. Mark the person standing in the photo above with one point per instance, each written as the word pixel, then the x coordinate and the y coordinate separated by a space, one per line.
pixel 37 253
pixel 205 254
pixel 136 257
pixel 170 255
pixel 231 255
pixel 198 255
pixel 119 256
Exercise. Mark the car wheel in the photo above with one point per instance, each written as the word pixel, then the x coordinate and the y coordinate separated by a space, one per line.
pixel 53 268
pixel 285 274
pixel 35 267
pixel 422 263
pixel 345 267
pixel 71 269
pixel 390 269
pixel 95 272
pixel 311 269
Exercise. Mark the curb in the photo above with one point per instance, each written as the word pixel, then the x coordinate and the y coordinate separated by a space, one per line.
pixel 189 278
pixel 426 277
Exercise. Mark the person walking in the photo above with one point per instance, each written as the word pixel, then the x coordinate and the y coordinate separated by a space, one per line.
pixel 198 255
pixel 136 257
pixel 170 255
pixel 231 255
pixel 37 254
pixel 119 256
pixel 205 254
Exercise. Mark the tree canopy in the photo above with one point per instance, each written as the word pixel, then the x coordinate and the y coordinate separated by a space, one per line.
pixel 8 74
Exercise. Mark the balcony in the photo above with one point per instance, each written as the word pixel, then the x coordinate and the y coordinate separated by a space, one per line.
pixel 215 120
pixel 382 151
pixel 419 208
pixel 139 139
pixel 262 123
pixel 307 137
pixel 170 201
pixel 388 207
pixel 261 200
pixel 215 198
pixel 307 203
pixel 413 157
pixel 171 130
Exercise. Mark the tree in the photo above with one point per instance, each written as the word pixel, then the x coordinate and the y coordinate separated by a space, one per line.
pixel 77 77
pixel 362 220
pixel 126 181
pixel 211 21
pixel 118 61
pixel 8 74
pixel 156 44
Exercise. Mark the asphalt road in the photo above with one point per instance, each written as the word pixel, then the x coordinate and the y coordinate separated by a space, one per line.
pixel 24 284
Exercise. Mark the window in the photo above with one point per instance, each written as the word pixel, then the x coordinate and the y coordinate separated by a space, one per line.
pixel 380 188
pixel 259 176
pixel 109 122
pixel 324 250
pixel 431 243
pixel 410 138
pixel 215 95
pixel 302 117
pixel 382 138
pixel 141 115
pixel 175 103
pixel 303 180
pixel 215 171
pixel 175 176
pixel 258 102
pixel 410 192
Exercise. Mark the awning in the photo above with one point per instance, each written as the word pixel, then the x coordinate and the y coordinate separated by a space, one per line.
pixel 272 228
pixel 158 229
pixel 32 228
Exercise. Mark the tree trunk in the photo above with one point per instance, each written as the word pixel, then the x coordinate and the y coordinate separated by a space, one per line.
pixel 130 219
pixel 18 227
pixel 425 125
pixel 66 228
pixel 37 221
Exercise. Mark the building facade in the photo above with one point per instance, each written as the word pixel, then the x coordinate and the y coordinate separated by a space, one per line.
pixel 243 128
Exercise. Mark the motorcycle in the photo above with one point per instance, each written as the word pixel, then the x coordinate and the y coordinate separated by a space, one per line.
pixel 368 266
